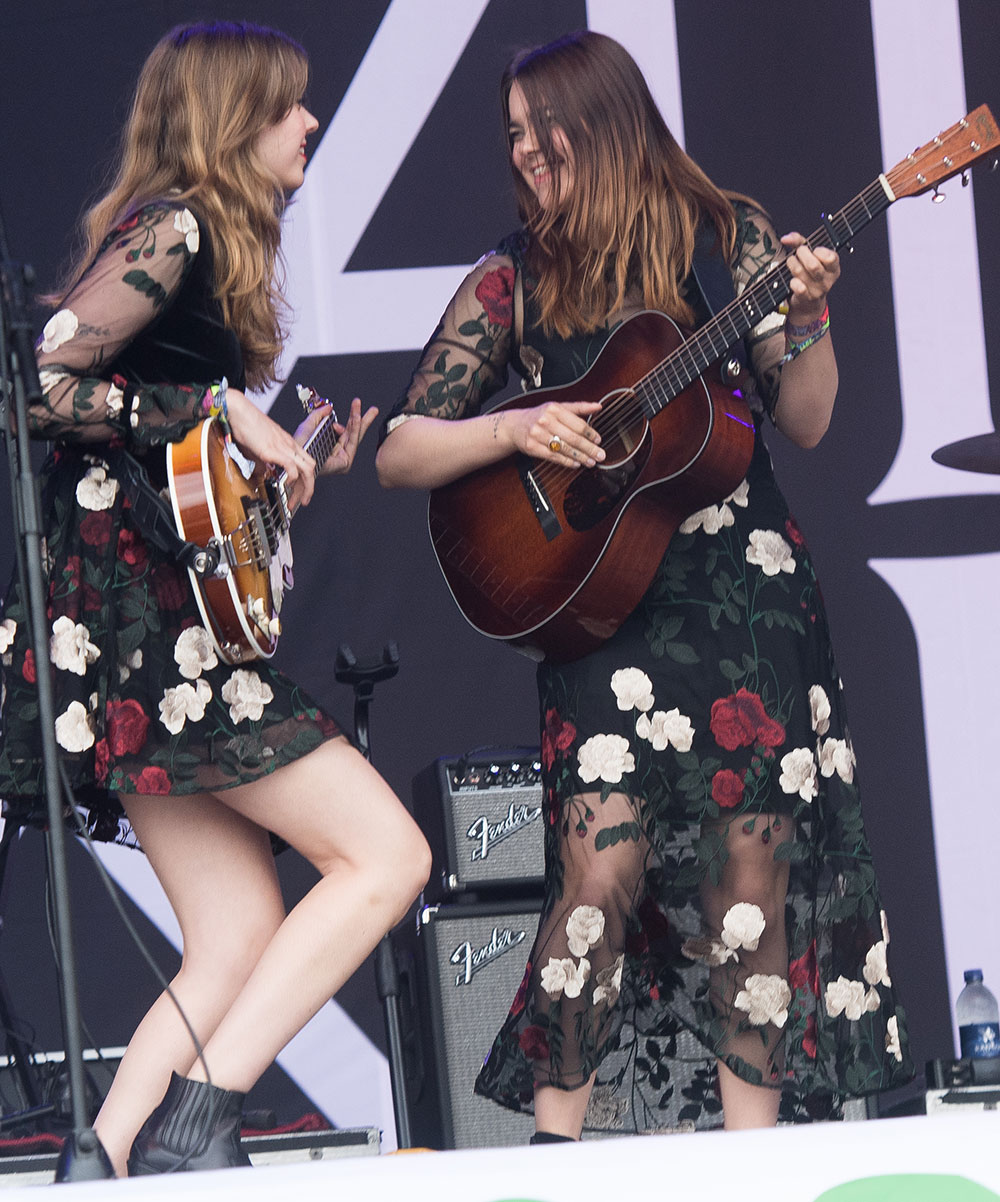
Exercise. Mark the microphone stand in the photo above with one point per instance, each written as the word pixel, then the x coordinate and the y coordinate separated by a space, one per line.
pixel 82 1157
pixel 364 677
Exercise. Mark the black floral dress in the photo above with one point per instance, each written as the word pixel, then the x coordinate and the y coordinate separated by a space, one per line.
pixel 710 893
pixel 142 702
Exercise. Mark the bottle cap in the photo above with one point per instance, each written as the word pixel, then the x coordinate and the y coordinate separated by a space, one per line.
pixel 973 974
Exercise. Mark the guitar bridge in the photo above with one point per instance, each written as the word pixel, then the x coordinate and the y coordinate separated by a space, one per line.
pixel 538 498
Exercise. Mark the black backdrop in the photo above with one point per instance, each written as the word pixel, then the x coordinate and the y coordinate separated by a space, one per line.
pixel 780 102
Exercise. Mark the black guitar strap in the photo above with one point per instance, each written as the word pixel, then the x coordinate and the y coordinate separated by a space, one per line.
pixel 154 516
pixel 714 280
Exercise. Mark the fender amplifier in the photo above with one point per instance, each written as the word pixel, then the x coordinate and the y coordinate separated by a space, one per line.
pixel 463 965
pixel 482 815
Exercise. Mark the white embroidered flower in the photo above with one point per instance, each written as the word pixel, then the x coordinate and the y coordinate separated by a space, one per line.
pixel 194 653
pixel 708 951
pixel 633 688
pixel 129 664
pixel 798 773
pixel 8 628
pixel 765 999
pixel 850 999
pixel 609 982
pixel 74 728
pixel 741 496
pixel 892 1047
pixel 97 490
pixel 769 551
pixel 606 757
pixel 186 701
pixel 114 401
pixel 565 976
pixel 185 223
pixel 247 695
pixel 837 755
pixel 885 926
pixel 712 518
pixel 48 378
pixel 672 728
pixel 70 648
pixel 819 704
pixel 58 329
pixel 743 926
pixel 876 969
pixel 584 929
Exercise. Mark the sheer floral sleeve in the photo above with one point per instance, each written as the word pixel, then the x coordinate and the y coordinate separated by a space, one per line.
pixel 466 360
pixel 758 249
pixel 137 274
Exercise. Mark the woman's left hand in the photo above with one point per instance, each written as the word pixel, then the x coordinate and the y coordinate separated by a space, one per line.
pixel 349 436
pixel 813 274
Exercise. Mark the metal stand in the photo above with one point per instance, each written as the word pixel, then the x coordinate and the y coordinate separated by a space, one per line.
pixel 82 1157
pixel 364 677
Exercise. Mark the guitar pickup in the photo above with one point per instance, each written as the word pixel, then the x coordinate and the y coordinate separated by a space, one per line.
pixel 538 498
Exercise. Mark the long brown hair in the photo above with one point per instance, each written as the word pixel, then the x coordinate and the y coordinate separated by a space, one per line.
pixel 203 96
pixel 636 198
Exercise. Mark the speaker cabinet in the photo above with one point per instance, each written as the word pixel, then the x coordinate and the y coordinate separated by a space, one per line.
pixel 466 962
pixel 482 814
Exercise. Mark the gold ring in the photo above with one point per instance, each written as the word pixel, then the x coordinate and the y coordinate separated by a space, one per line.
pixel 555 444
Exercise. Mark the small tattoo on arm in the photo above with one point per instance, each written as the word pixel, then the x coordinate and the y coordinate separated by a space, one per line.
pixel 497 423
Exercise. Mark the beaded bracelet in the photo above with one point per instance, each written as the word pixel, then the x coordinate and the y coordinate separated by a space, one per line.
pixel 214 401
pixel 805 336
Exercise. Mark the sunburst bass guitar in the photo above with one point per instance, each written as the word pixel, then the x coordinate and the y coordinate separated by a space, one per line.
pixel 242 512
pixel 553 560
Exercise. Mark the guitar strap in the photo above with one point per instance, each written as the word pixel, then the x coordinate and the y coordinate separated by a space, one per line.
pixel 713 279
pixel 154 516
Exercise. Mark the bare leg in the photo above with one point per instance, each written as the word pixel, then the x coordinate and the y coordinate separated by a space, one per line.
pixel 211 855
pixel 752 874
pixel 561 1111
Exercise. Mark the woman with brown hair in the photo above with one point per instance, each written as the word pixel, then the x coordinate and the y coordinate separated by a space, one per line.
pixel 176 292
pixel 711 935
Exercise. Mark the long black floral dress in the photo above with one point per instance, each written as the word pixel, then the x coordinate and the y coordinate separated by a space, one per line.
pixel 142 702
pixel 699 752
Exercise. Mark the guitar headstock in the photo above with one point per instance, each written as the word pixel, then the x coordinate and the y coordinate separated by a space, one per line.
pixel 969 140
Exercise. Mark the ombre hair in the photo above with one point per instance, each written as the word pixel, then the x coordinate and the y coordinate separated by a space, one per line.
pixel 636 200
pixel 203 96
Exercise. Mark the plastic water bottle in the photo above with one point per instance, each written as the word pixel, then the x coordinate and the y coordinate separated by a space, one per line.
pixel 978 1018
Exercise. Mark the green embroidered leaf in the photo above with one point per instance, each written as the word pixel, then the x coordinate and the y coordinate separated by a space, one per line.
pixel 795 853
pixel 682 653
pixel 143 282
pixel 468 328
pixel 612 835
pixel 729 670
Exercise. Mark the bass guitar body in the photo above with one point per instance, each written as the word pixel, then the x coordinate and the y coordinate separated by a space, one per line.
pixel 221 500
pixel 554 559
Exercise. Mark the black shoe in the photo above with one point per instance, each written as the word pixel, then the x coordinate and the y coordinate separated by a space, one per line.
pixel 550 1137
pixel 196 1126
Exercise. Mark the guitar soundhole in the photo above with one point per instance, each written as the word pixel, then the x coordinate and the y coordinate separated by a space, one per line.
pixel 597 492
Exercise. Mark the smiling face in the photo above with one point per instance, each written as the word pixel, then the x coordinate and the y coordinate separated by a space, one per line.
pixel 282 147
pixel 548 172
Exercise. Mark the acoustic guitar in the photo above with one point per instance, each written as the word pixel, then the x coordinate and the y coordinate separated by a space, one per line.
pixel 242 512
pixel 553 559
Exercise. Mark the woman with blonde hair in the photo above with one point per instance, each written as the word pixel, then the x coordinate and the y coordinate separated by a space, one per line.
pixel 711 936
pixel 176 293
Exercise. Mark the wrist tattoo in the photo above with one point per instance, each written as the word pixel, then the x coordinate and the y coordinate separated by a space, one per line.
pixel 496 423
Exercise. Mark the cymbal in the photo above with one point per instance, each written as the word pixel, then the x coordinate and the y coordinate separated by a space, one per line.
pixel 981 453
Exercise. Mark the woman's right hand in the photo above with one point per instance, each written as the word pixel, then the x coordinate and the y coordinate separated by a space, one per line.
pixel 556 431
pixel 263 440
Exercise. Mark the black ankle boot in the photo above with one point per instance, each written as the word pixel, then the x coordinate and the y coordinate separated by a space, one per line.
pixel 196 1126
pixel 550 1137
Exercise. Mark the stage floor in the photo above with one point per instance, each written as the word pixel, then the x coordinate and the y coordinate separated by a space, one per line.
pixel 947 1158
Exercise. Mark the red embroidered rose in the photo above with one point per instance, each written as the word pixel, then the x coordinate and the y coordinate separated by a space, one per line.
pixel 521 997
pixel 809 1038
pixel 495 292
pixel 169 586
pixel 28 667
pixel 151 780
pixel 95 529
pixel 132 548
pixel 727 788
pixel 71 572
pixel 534 1043
pixel 127 723
pixel 803 973
pixel 557 737
pixel 92 597
pixel 101 757
pixel 794 533
pixel 740 720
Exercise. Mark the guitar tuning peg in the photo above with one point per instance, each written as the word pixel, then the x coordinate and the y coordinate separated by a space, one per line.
pixel 965 179
pixel 937 197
